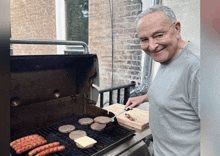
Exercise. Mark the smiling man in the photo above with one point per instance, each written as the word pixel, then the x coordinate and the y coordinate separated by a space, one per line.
pixel 173 95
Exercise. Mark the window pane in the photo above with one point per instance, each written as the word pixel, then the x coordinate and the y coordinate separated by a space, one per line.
pixel 77 20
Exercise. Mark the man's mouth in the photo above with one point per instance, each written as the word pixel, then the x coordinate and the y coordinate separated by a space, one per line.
pixel 155 52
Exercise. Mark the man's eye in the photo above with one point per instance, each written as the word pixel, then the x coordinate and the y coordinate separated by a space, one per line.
pixel 159 35
pixel 144 40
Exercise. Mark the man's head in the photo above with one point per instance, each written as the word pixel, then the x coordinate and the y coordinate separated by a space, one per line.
pixel 159 33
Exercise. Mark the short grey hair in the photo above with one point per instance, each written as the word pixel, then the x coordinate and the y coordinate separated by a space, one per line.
pixel 166 10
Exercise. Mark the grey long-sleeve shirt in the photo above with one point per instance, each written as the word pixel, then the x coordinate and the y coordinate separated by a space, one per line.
pixel 173 106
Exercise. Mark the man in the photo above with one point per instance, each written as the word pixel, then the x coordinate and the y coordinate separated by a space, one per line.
pixel 173 95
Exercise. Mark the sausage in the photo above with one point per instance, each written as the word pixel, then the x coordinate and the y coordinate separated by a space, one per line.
pixel 23 138
pixel 41 148
pixel 26 147
pixel 129 117
pixel 28 142
pixel 51 150
pixel 22 141
pixel 30 146
pixel 25 142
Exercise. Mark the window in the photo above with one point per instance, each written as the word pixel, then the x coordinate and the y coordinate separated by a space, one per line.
pixel 77 15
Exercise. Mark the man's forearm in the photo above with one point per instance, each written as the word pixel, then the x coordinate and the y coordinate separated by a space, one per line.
pixel 146 98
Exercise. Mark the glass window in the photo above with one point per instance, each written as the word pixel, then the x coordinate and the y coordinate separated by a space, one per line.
pixel 77 14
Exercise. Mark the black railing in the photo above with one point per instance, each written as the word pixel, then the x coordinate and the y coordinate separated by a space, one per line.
pixel 118 88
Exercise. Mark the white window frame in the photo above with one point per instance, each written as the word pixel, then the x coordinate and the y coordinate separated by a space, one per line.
pixel 61 30
pixel 60 24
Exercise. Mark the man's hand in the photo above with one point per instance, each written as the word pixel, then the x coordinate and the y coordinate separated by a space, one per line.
pixel 136 101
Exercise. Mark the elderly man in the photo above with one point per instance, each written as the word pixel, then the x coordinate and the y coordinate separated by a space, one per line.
pixel 173 94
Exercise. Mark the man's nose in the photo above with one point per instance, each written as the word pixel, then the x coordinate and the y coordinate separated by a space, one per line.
pixel 152 45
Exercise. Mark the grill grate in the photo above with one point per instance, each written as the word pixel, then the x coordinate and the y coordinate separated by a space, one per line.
pixel 110 135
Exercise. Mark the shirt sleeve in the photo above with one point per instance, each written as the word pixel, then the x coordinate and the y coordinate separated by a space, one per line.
pixel 194 90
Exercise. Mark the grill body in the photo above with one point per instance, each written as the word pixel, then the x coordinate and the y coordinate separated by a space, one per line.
pixel 51 91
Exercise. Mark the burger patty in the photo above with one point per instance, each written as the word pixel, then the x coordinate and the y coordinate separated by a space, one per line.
pixel 66 128
pixel 97 126
pixel 77 134
pixel 102 119
pixel 80 146
pixel 85 121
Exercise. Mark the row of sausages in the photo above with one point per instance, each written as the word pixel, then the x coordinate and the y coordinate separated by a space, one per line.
pixel 28 142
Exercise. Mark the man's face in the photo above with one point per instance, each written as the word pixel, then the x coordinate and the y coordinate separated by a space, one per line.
pixel 159 38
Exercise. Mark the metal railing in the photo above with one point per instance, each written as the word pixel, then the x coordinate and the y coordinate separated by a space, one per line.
pixel 118 88
pixel 50 42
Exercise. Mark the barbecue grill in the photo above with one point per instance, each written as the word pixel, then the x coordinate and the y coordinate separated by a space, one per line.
pixel 49 91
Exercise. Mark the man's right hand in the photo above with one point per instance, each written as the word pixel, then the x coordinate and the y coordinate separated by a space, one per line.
pixel 136 101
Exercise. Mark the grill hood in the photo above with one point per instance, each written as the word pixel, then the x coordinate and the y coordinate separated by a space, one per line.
pixel 48 88
pixel 37 78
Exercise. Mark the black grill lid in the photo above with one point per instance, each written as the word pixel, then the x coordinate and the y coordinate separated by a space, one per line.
pixel 45 77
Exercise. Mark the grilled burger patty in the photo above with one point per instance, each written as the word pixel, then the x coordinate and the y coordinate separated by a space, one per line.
pixel 97 126
pixel 66 128
pixel 80 146
pixel 77 134
pixel 102 119
pixel 85 121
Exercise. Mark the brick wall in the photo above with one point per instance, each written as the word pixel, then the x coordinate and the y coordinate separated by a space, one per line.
pixel 114 40
pixel 33 19
pixel 122 55
pixel 100 38
pixel 127 51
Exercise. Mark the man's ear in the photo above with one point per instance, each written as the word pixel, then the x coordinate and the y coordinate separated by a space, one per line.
pixel 178 29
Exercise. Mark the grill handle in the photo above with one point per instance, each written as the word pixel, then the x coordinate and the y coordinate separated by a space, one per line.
pixel 50 42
